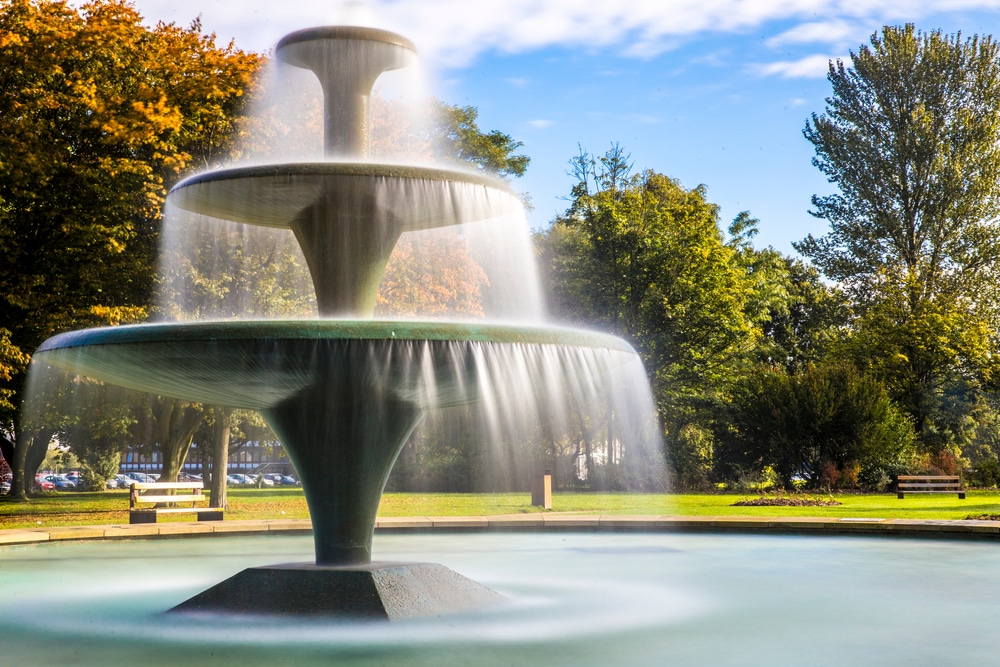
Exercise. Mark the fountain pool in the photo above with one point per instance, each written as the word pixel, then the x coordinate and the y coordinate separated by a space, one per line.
pixel 573 599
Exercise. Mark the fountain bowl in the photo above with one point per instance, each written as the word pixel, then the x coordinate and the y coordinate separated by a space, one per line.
pixel 260 363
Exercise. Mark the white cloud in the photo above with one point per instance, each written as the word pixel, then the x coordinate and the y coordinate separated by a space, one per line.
pixel 643 119
pixel 810 67
pixel 454 32
pixel 836 31
pixel 540 123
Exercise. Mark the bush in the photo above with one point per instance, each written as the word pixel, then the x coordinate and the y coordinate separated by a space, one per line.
pixel 830 425
pixel 985 474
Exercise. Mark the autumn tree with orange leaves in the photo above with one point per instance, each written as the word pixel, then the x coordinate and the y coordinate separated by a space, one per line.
pixel 99 116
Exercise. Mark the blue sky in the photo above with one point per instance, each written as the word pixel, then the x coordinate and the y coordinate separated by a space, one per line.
pixel 712 92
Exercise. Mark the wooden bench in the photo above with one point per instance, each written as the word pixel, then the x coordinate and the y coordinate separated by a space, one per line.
pixel 929 484
pixel 169 492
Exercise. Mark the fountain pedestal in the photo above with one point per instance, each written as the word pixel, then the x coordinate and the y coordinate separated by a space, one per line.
pixel 377 591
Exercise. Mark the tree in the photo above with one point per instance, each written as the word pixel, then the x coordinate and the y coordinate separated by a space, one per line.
pixel 911 137
pixel 97 422
pixel 644 258
pixel 439 280
pixel 456 136
pixel 99 115
pixel 172 427
pixel 804 327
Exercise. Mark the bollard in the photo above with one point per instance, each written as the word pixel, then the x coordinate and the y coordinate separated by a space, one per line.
pixel 541 490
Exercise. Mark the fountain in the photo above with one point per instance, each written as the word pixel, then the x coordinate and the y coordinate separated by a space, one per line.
pixel 343 395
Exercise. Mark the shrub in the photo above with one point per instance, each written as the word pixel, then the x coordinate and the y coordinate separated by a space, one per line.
pixel 830 425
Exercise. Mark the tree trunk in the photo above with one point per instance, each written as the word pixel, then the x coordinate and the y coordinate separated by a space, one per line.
pixel 28 456
pixel 175 424
pixel 220 457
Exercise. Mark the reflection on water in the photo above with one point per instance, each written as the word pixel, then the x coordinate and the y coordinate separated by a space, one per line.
pixel 574 599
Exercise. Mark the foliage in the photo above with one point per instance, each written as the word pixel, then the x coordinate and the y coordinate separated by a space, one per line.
pixel 98 116
pixel 825 424
pixel 805 326
pixel 911 137
pixel 438 278
pixel 98 421
pixel 644 258
pixel 455 135
pixel 13 362
pixel 212 269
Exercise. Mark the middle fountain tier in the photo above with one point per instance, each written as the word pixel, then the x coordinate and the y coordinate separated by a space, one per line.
pixel 343 395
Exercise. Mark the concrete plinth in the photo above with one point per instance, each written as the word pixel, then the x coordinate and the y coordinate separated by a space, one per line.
pixel 386 591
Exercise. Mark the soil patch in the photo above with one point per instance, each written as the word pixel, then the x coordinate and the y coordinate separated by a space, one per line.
pixel 983 517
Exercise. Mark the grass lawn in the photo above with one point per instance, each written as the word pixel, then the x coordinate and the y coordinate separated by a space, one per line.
pixel 111 507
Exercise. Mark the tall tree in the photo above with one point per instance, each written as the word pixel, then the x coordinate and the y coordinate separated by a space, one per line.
pixel 641 256
pixel 911 137
pixel 98 116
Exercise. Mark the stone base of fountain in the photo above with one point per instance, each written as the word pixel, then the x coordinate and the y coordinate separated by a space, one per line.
pixel 387 591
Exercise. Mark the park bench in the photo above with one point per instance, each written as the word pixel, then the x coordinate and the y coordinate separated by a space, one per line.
pixel 169 492
pixel 929 484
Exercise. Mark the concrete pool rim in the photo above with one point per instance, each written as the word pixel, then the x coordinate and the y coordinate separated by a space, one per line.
pixel 526 523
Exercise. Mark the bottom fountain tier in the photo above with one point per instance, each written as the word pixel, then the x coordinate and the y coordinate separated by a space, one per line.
pixel 344 396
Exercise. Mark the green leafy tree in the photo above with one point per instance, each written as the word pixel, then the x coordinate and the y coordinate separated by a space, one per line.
pixel 640 256
pixel 455 135
pixel 805 327
pixel 99 421
pixel 911 137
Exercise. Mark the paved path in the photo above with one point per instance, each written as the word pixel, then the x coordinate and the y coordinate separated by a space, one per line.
pixel 528 523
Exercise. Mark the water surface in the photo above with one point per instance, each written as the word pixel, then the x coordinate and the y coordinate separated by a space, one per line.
pixel 574 599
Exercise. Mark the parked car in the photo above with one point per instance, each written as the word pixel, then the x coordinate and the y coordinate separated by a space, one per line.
pixel 238 479
pixel 4 486
pixel 121 481
pixel 140 477
pixel 289 480
pixel 42 484
pixel 57 482
pixel 60 482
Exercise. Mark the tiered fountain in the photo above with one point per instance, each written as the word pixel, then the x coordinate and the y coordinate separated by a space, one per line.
pixel 342 394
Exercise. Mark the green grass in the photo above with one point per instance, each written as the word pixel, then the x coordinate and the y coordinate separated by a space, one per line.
pixel 111 507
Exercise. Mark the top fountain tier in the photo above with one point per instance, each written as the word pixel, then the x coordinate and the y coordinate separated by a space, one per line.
pixel 347 213
pixel 347 60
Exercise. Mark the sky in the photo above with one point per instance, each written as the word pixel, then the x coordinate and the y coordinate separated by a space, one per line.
pixel 709 92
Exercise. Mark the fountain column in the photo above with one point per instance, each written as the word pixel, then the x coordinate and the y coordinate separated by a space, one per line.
pixel 343 435
pixel 347 60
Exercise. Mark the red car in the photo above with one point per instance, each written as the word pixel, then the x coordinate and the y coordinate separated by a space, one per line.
pixel 42 484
